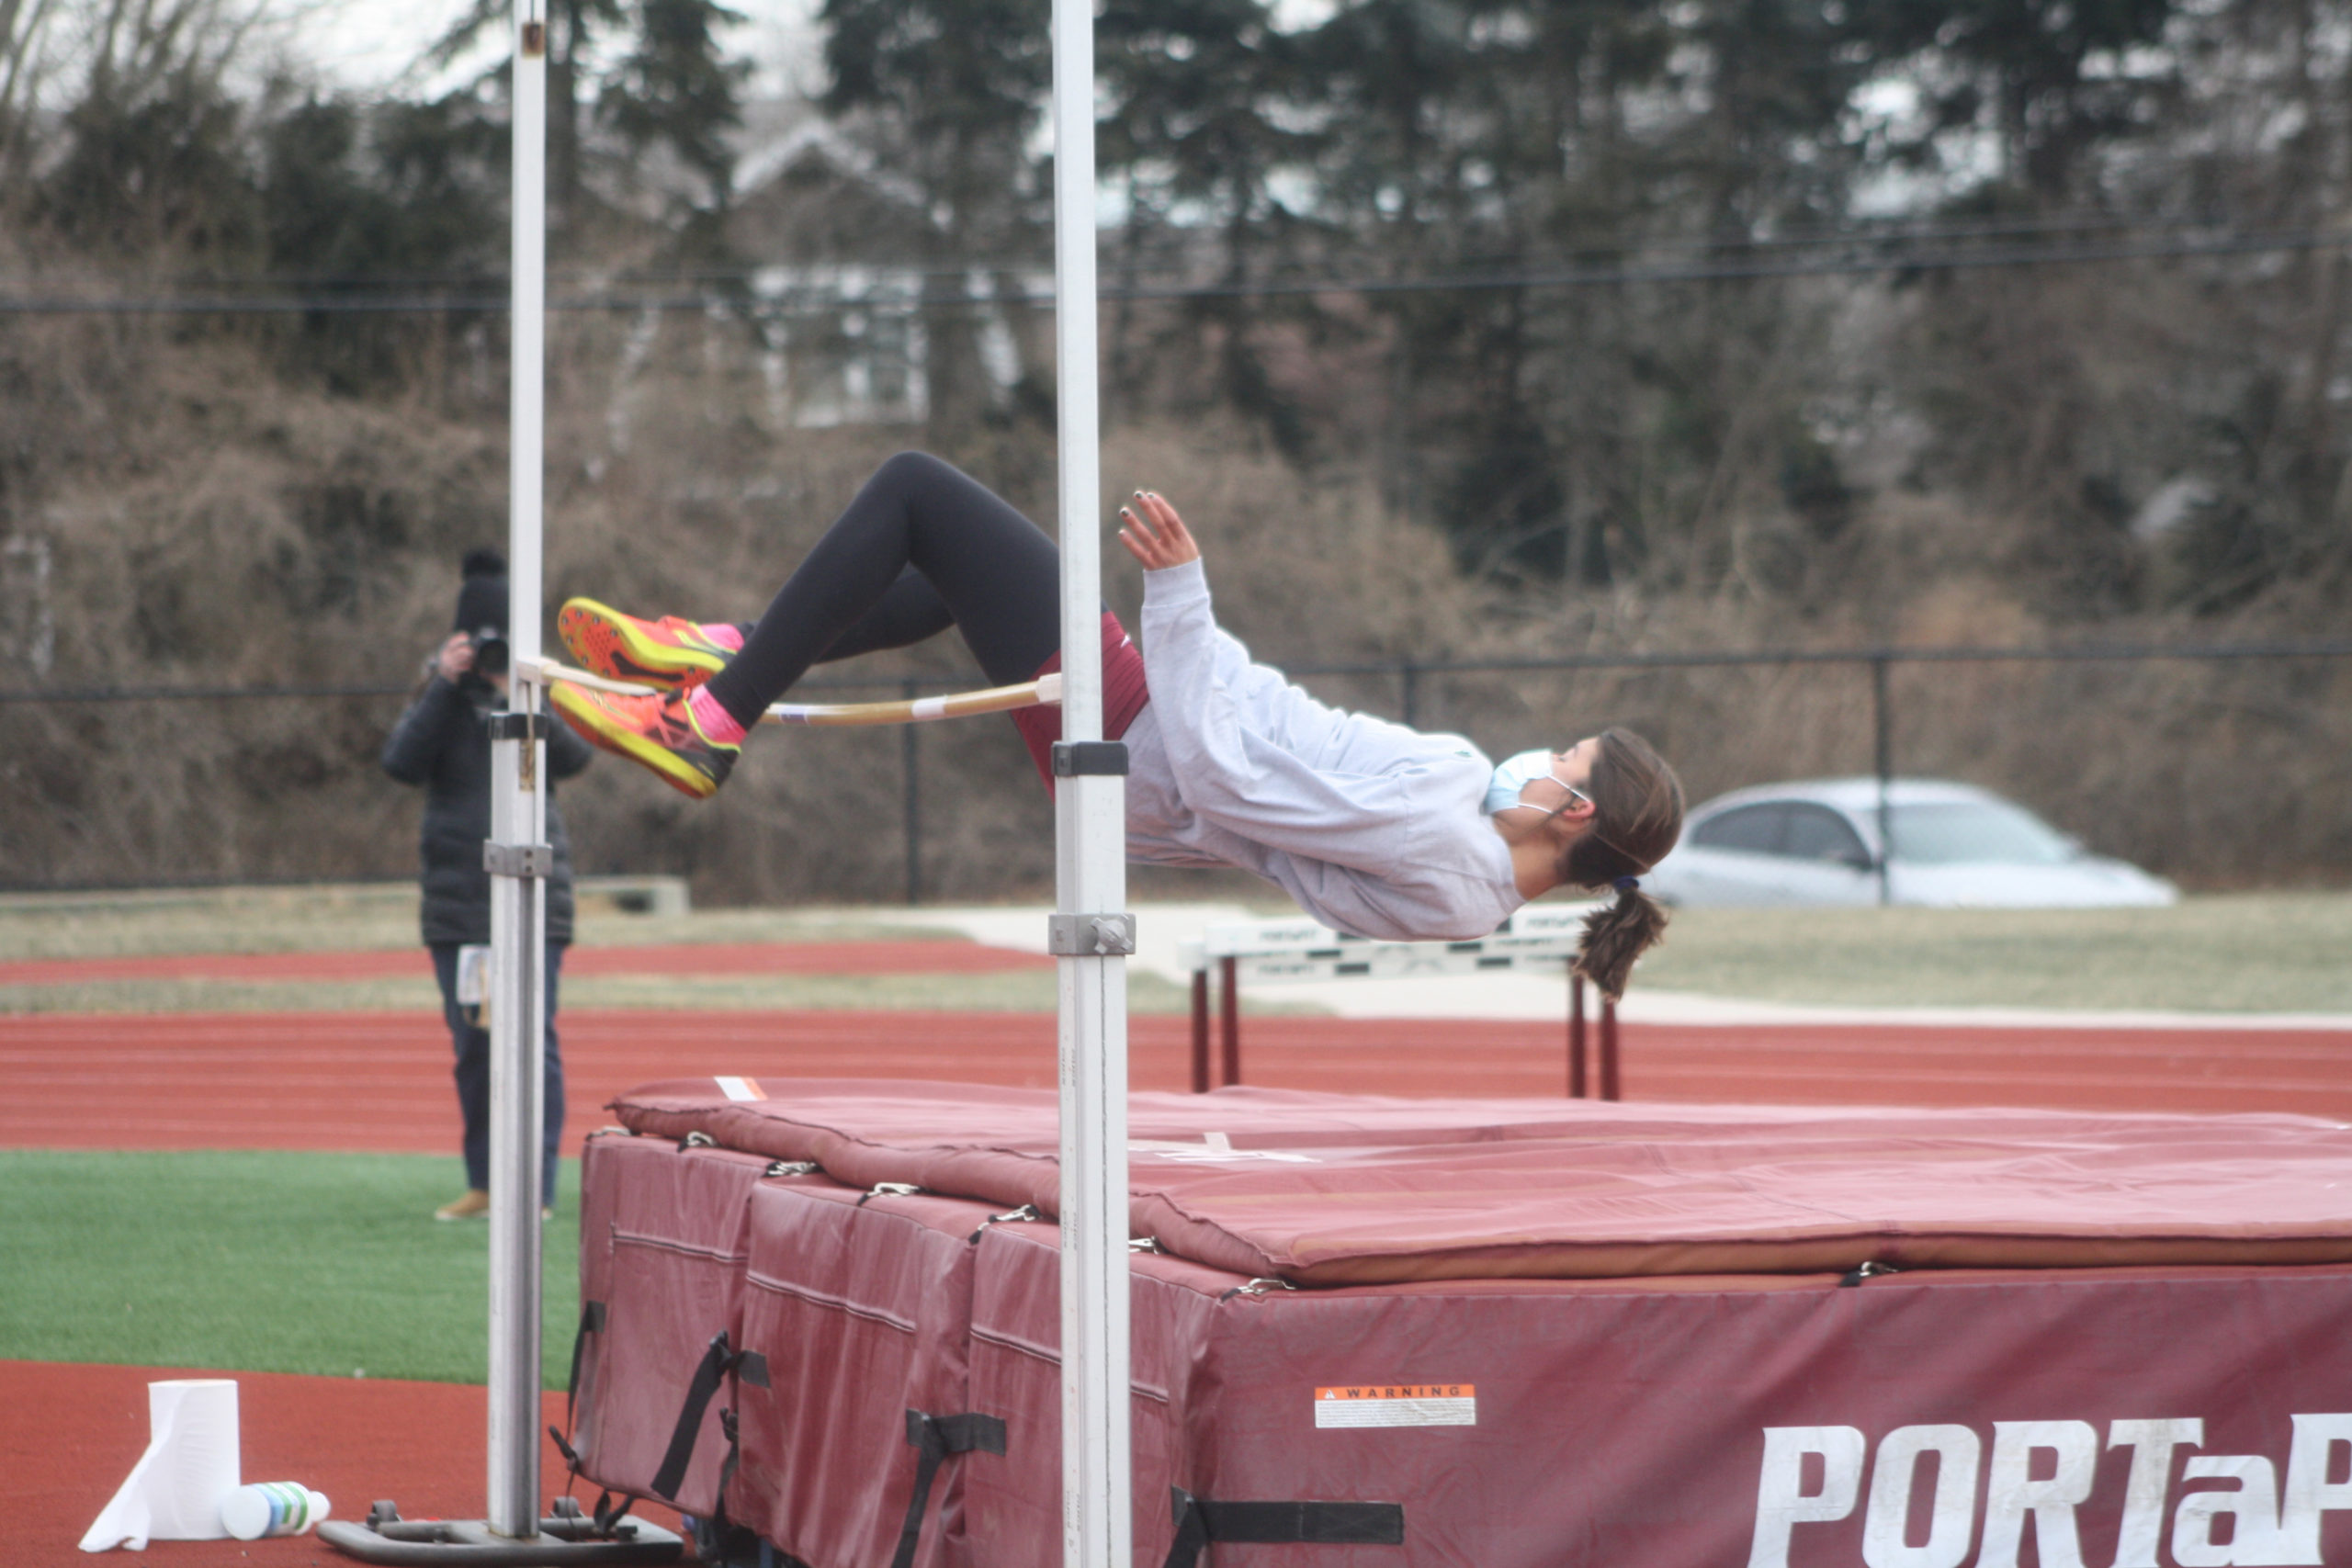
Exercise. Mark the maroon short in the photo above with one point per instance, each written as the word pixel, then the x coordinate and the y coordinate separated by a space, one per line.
pixel 1124 694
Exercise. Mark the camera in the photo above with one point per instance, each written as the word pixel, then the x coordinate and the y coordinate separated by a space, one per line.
pixel 491 654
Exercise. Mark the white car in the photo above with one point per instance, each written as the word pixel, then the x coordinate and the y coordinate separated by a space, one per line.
pixel 1954 845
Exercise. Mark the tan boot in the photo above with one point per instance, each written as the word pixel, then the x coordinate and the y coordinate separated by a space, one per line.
pixel 473 1205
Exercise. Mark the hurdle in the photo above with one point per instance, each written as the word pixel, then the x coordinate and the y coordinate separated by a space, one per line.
pixel 1277 951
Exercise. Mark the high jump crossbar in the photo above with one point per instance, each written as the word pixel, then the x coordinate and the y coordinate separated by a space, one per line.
pixel 1044 691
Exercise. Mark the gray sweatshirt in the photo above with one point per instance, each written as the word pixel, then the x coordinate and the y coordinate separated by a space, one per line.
pixel 1375 829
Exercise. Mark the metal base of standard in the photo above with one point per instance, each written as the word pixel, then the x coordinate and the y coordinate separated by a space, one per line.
pixel 566 1535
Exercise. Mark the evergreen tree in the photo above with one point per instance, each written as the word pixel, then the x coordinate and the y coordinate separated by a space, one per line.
pixel 672 85
pixel 2046 81
pixel 1474 137
pixel 950 93
pixel 407 194
pixel 674 88
pixel 152 167
pixel 1205 96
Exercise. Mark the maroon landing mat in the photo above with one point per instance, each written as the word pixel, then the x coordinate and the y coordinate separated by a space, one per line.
pixel 2089 1414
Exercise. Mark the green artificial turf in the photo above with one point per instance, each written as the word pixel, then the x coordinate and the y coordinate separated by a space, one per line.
pixel 330 1263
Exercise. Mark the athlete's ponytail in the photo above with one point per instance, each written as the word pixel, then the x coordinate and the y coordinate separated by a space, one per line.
pixel 1638 816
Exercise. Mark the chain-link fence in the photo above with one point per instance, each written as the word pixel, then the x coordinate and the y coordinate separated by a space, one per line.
pixel 2216 765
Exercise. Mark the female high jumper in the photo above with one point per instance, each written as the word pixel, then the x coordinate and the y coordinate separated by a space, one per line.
pixel 1375 829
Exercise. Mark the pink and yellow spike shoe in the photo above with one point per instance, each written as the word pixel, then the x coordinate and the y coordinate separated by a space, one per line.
pixel 668 654
pixel 658 732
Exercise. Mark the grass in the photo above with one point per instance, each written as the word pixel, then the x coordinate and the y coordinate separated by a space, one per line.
pixel 2251 953
pixel 231 919
pixel 361 916
pixel 328 1264
pixel 307 919
pixel 209 996
pixel 2268 951
pixel 1011 991
pixel 1030 990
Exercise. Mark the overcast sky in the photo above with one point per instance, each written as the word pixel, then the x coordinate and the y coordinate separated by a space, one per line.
pixel 366 45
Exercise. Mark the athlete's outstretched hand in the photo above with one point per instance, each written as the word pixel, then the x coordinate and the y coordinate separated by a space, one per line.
pixel 1154 534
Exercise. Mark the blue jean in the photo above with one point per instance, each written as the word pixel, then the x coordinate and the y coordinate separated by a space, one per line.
pixel 472 1045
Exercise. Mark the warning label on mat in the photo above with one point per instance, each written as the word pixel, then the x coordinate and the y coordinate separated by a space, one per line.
pixel 1398 1405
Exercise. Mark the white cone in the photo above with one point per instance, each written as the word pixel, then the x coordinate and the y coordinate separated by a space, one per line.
pixel 174 1492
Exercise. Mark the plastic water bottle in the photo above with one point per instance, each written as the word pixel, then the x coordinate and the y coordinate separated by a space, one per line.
pixel 271 1508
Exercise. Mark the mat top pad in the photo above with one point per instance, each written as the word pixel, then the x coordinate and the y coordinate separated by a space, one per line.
pixel 1331 1189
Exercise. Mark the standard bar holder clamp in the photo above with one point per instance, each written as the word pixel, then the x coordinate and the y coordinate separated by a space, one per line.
pixel 518 859
pixel 1073 758
pixel 1091 936
pixel 529 729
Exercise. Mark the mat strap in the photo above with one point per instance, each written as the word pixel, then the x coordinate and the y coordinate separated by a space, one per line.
pixel 934 1437
pixel 1200 1520
pixel 592 1321
pixel 718 1361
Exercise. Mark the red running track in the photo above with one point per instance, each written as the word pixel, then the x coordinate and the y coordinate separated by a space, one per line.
pixel 424 1445
pixel 381 1080
pixel 711 958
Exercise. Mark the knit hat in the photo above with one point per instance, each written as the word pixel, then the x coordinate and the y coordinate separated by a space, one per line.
pixel 482 602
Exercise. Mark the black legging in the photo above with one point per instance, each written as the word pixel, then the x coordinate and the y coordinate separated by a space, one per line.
pixel 923 547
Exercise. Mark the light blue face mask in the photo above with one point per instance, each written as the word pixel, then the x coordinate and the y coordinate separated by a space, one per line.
pixel 1515 773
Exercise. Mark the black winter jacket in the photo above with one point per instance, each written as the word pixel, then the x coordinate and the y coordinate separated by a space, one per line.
pixel 443 744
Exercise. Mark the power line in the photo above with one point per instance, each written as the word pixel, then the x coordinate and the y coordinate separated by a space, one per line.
pixel 2082 653
pixel 811 301
pixel 1701 659
pixel 1713 244
pixel 1733 271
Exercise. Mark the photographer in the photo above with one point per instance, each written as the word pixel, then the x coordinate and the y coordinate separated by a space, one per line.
pixel 443 744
